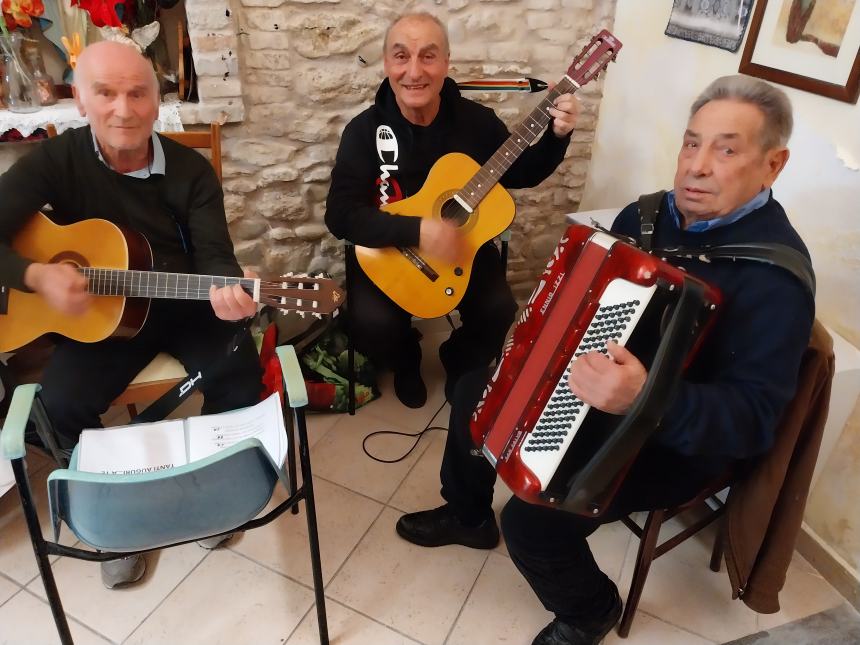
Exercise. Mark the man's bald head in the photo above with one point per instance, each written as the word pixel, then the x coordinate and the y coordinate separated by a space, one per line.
pixel 112 59
pixel 117 90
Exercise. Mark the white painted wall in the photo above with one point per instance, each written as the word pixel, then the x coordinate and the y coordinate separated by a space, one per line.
pixel 647 94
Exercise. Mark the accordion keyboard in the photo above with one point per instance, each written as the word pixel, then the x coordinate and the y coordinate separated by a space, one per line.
pixel 620 307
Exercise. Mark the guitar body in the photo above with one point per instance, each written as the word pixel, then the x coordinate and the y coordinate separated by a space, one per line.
pixel 89 243
pixel 405 282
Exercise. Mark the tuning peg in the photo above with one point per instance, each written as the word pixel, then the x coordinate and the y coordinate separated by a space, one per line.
pixel 283 312
pixel 301 313
pixel 318 316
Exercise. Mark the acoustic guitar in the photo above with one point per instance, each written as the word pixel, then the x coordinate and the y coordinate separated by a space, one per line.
pixel 460 191
pixel 116 262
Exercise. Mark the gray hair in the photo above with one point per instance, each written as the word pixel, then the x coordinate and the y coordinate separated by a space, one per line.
pixel 772 101
pixel 421 15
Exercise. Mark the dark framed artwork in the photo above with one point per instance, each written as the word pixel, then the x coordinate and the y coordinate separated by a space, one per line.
pixel 811 45
pixel 719 23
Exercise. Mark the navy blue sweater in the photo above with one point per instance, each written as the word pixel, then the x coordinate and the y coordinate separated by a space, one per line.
pixel 745 373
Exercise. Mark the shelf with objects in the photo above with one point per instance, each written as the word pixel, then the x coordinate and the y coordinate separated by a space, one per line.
pixel 41 39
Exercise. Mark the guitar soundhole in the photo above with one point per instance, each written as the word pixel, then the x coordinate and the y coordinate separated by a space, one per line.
pixel 454 213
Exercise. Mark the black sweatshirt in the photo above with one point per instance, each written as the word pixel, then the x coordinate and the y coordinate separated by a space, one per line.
pixel 66 173
pixel 379 147
pixel 745 373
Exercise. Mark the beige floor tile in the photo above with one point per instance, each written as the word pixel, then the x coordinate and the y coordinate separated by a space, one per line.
pixel 318 424
pixel 26 620
pixel 501 608
pixel 342 516
pixel 346 627
pixel 682 590
pixel 420 489
pixel 227 600
pixel 116 613
pixel 805 593
pixel 609 545
pixel 338 456
pixel 7 589
pixel 648 630
pixel 415 590
pixel 16 552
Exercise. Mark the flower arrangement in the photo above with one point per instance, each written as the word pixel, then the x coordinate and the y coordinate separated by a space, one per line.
pixel 19 13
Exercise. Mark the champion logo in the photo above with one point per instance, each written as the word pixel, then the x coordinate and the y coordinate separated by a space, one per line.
pixel 386 144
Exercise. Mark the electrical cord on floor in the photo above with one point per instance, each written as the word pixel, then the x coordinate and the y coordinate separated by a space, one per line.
pixel 416 435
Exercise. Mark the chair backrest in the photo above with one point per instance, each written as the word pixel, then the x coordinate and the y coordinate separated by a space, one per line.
pixel 202 140
pixel 132 512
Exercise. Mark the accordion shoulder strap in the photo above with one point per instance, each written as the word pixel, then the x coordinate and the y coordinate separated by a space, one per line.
pixel 779 255
pixel 649 208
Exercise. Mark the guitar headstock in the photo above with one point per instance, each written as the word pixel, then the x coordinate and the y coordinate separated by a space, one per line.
pixel 317 295
pixel 594 57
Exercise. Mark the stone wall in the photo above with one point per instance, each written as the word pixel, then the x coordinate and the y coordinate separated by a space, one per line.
pixel 304 68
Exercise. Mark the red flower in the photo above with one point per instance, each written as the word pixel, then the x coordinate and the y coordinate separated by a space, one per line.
pixel 20 13
pixel 102 12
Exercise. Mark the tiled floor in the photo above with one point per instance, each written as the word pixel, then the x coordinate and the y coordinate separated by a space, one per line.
pixel 380 590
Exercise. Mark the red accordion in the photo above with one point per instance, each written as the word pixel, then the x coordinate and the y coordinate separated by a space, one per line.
pixel 547 445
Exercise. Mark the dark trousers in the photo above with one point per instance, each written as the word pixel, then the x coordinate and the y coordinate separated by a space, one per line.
pixel 549 546
pixel 82 379
pixel 383 331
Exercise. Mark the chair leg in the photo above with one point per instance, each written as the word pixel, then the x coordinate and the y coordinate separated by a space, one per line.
pixel 348 259
pixel 717 553
pixel 41 552
pixel 291 459
pixel 504 254
pixel 313 535
pixel 647 546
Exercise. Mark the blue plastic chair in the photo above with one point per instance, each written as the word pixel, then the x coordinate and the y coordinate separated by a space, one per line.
pixel 121 515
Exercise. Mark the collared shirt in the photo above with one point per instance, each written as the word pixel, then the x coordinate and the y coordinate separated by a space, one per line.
pixel 157 167
pixel 707 224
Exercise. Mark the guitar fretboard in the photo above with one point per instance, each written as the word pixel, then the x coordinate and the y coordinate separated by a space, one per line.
pixel 521 138
pixel 155 284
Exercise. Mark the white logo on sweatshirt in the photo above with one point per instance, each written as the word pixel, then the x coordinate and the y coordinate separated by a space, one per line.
pixel 385 142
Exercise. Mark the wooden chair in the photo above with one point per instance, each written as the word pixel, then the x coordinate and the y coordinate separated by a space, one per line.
pixel 164 371
pixel 649 550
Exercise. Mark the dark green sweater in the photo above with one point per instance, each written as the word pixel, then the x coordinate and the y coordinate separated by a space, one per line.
pixel 66 173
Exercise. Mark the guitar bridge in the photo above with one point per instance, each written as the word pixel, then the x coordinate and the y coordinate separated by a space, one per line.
pixel 419 262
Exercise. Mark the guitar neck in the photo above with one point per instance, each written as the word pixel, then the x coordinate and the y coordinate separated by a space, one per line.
pixel 155 284
pixel 522 137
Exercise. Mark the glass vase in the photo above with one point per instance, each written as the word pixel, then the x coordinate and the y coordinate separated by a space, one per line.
pixel 19 89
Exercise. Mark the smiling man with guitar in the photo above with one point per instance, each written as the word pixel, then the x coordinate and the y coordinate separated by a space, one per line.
pixel 429 256
pixel 118 170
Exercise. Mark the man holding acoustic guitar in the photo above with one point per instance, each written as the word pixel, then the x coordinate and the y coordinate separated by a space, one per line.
pixel 119 170
pixel 425 236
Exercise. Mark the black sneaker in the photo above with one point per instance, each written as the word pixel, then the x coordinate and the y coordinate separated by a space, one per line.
pixel 561 633
pixel 440 527
pixel 409 386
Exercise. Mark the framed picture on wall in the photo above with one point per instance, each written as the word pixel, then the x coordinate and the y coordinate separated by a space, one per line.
pixel 812 45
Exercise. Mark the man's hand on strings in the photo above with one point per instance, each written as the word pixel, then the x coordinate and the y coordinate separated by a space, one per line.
pixel 440 239
pixel 608 383
pixel 564 113
pixel 233 302
pixel 62 286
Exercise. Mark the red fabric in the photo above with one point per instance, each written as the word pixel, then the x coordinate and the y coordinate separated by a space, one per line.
pixel 273 378
pixel 102 12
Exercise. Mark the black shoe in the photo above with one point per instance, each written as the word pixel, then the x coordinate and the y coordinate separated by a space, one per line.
pixel 440 526
pixel 561 633
pixel 409 386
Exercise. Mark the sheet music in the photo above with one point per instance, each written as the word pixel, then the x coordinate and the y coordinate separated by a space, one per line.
pixel 7 477
pixel 133 450
pixel 209 434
